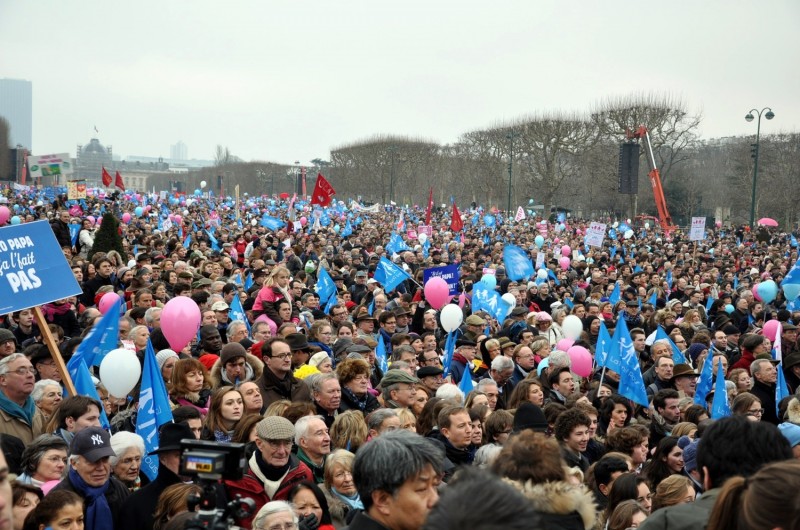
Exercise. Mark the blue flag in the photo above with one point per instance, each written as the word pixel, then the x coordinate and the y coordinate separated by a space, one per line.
pixel 426 247
pixel 273 223
pixel 631 384
pixel 489 300
pixel 214 243
pixel 248 282
pixel 396 244
pixel 568 303
pixel 781 388
pixel 348 229
pixel 603 346
pixel 380 355
pixel 615 295
pixel 705 382
pixel 791 283
pixel 332 300
pixel 325 286
pixel 669 278
pixel 154 409
pixel 466 385
pixel 793 241
pixel 74 230
pixel 677 356
pixel 237 311
pixel 188 241
pixel 720 408
pixel 101 339
pixel 552 276
pixel 653 300
pixel 84 386
pixel 389 275
pixel 518 264
pixel 735 282
pixel 449 349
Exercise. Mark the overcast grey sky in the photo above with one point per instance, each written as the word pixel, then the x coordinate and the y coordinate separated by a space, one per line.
pixel 285 81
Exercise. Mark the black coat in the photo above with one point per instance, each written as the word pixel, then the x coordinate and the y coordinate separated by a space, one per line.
pixel 116 495
pixel 766 394
pixel 137 511
pixel 61 231
pixel 362 521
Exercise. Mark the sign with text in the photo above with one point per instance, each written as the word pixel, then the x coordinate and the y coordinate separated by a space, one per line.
pixel 33 270
pixel 425 229
pixel 449 274
pixel 698 230
pixel 76 190
pixel 595 234
pixel 50 165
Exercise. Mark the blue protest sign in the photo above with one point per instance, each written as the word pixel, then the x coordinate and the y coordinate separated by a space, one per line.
pixel 33 270
pixel 449 274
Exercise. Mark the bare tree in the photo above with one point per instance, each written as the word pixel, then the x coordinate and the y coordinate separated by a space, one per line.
pixel 6 164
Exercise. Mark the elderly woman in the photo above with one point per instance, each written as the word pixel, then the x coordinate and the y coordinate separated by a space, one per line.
pixel 43 460
pixel 139 335
pixel 47 396
pixel 321 361
pixel 339 488
pixel 126 466
pixel 275 514
pixel 354 379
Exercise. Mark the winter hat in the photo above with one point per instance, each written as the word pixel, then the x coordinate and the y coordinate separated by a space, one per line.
pixel 690 455
pixel 793 411
pixel 208 360
pixel 529 416
pixel 695 350
pixel 163 356
pixel 317 359
pixel 231 351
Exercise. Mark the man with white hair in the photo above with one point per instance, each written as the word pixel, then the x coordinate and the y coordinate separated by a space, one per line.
pixel 313 444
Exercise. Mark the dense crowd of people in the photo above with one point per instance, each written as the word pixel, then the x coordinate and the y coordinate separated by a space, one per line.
pixel 362 412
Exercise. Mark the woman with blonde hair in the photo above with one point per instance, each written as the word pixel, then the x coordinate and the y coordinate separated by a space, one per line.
pixel 275 289
pixel 673 490
pixel 339 487
pixel 349 431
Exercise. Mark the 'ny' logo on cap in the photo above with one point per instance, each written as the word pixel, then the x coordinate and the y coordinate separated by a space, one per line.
pixel 97 439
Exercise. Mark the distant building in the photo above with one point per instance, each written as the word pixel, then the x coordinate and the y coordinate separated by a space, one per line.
pixel 178 151
pixel 16 106
pixel 90 160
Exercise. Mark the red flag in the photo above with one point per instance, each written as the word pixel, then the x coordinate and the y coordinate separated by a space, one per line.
pixel 118 182
pixel 456 224
pixel 106 178
pixel 430 207
pixel 323 192
pixel 24 171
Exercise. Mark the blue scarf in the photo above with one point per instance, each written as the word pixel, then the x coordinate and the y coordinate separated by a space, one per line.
pixel 24 413
pixel 353 502
pixel 98 512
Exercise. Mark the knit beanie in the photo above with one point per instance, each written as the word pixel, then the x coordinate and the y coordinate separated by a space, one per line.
pixel 163 356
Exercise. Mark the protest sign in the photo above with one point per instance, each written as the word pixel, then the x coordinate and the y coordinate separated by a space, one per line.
pixel 697 232
pixel 449 274
pixel 50 165
pixel 425 229
pixel 595 234
pixel 33 270
pixel 76 190
pixel 489 270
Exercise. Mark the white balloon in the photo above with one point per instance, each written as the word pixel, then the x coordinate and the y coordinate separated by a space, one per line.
pixel 451 317
pixel 189 202
pixel 254 222
pixel 120 371
pixel 185 213
pixel 203 184
pixel 647 226
pixel 628 234
pixel 572 326
pixel 616 224
pixel 541 274
pixel 510 298
pixel 423 237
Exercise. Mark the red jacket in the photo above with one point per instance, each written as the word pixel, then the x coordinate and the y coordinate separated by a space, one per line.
pixel 251 486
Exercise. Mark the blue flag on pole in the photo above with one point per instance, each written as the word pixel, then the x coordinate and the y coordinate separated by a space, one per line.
pixel 720 408
pixel 348 229
pixel 84 386
pixel 615 295
pixel 791 283
pixel 396 244
pixel 705 382
pixel 449 349
pixel 631 384
pixel 677 356
pixel 603 346
pixel 793 241
pixel 273 223
pixel 325 286
pixel 101 339
pixel 188 241
pixel 389 275
pixel 154 409
pixel 518 264
pixel 237 312
pixel 74 230
pixel 653 300
pixel 466 384
pixel 669 278
pixel 248 282
pixel 214 242
pixel 380 355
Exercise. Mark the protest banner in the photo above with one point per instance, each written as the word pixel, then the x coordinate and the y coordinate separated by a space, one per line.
pixel 697 232
pixel 449 274
pixel 76 190
pixel 425 229
pixel 34 271
pixel 595 234
pixel 50 165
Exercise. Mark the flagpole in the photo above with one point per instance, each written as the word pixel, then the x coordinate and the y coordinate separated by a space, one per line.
pixel 54 351
pixel 602 376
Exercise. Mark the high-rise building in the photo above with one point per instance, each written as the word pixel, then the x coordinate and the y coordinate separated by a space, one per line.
pixel 178 151
pixel 16 106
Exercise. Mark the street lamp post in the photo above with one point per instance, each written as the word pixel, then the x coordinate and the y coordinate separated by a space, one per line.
pixel 749 117
pixel 510 137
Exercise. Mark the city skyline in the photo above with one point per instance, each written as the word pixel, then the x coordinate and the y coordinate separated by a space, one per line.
pixel 287 82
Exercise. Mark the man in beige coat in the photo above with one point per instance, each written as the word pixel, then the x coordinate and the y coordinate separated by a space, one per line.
pixel 19 416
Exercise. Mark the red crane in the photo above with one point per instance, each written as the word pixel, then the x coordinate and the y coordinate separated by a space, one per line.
pixel 664 218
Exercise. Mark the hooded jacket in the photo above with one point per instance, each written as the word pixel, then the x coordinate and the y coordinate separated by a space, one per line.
pixel 560 505
pixel 253 370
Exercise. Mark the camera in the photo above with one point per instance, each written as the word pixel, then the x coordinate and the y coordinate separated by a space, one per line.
pixel 208 463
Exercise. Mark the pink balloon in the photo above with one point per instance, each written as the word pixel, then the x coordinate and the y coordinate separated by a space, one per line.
pixel 565 250
pixel 179 219
pixel 437 292
pixel 770 329
pixel 126 218
pixel 754 290
pixel 564 262
pixel 180 321
pixel 581 360
pixel 148 208
pixel 565 344
pixel 556 241
pixel 462 299
pixel 91 219
pixel 99 220
pixel 75 211
pixel 303 221
pixel 106 302
pixel 5 215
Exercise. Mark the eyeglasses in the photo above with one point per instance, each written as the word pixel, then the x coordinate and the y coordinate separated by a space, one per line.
pixel 756 412
pixel 281 356
pixel 24 371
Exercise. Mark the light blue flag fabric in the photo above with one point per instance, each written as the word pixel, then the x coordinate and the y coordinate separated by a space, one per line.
pixel 449 349
pixel 720 408
pixel 781 388
pixel 466 384
pixel 489 300
pixel 677 356
pixel 793 241
pixel 332 300
pixel 248 282
pixel 84 386
pixel 653 300
pixel 237 279
pixel 380 355
pixel 615 295
pixel 390 275
pixel 552 276
pixel 426 247
pixel 568 303
pixel 74 230
pixel 518 264
pixel 101 339
pixel 603 346
pixel 669 278
pixel 705 382
pixel 348 229
pixel 273 223
pixel 735 282
pixel 396 244
pixel 237 312
pixel 371 307
pixel 214 242
pixel 631 383
pixel 791 283
pixel 709 303
pixel 154 409
pixel 188 241
pixel 324 286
